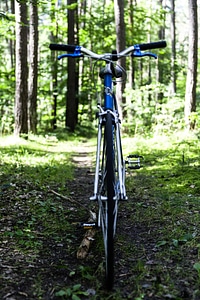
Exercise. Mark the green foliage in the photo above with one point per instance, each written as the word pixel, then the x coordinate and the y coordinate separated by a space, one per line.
pixel 197 268
pixel 36 159
pixel 96 31
pixel 72 293
pixel 98 21
pixel 146 113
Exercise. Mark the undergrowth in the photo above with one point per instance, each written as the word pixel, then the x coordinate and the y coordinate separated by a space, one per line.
pixel 157 244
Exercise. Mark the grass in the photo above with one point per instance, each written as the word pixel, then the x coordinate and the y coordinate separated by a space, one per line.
pixel 165 214
pixel 157 245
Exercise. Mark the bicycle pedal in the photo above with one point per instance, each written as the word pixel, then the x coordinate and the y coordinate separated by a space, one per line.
pixel 133 161
pixel 88 225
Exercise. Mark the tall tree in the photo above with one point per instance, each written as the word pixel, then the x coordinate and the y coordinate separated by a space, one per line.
pixel 190 94
pixel 10 6
pixel 72 100
pixel 33 66
pixel 21 70
pixel 131 4
pixel 120 45
pixel 161 36
pixel 54 65
pixel 173 41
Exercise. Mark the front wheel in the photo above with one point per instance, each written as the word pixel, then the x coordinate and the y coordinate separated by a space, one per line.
pixel 109 204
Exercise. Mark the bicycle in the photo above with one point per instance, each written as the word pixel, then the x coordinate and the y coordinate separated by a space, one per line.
pixel 109 181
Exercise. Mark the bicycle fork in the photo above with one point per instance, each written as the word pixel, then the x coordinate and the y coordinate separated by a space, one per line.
pixel 120 191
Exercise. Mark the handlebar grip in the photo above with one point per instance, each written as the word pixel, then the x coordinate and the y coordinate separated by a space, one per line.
pixel 154 45
pixel 62 47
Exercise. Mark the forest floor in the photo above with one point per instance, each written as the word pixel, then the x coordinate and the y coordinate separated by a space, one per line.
pixel 45 187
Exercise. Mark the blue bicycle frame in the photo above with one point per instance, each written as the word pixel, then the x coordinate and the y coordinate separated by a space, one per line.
pixel 108 93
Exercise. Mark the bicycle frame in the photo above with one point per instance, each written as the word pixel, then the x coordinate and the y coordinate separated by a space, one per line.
pixel 108 92
pixel 110 105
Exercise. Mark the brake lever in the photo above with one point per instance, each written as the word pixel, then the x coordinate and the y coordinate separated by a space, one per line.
pixel 77 53
pixel 137 53
pixel 70 55
pixel 140 54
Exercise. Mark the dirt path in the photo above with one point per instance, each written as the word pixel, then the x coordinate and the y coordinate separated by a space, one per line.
pixel 39 239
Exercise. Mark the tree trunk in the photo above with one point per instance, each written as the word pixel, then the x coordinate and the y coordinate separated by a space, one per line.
pixel 10 6
pixel 21 90
pixel 33 67
pixel 120 45
pixel 54 65
pixel 131 25
pixel 173 41
pixel 190 94
pixel 72 100
pixel 161 36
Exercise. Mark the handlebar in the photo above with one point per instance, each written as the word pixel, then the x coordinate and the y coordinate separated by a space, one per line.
pixel 78 51
pixel 153 45
pixel 62 47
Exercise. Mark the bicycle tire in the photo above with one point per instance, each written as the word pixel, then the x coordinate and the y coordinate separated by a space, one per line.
pixel 110 191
